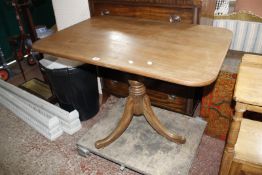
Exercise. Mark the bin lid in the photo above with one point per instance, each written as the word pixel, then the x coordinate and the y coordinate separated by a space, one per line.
pixel 51 62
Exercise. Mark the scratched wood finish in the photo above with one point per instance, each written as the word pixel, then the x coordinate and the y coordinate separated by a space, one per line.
pixel 189 11
pixel 184 54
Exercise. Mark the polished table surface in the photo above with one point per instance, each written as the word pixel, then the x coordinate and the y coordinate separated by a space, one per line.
pixel 184 54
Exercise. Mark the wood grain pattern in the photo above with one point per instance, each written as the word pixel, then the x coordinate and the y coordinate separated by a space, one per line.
pixel 243 148
pixel 208 8
pixel 169 3
pixel 235 168
pixel 138 103
pixel 246 168
pixel 229 151
pixel 121 126
pixel 248 146
pixel 146 12
pixel 249 81
pixel 156 124
pixel 189 11
pixel 189 55
pixel 162 94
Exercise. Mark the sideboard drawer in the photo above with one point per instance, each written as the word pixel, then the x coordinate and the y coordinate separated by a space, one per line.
pixel 169 101
pixel 115 87
pixel 162 94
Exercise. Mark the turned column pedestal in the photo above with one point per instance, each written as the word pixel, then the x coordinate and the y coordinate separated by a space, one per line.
pixel 138 104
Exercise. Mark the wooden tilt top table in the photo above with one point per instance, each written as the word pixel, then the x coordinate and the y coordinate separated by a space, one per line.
pixel 189 55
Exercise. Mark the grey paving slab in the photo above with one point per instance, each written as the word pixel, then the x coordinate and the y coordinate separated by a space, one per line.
pixel 141 149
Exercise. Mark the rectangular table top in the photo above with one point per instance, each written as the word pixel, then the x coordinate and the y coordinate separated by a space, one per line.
pixel 249 80
pixel 190 55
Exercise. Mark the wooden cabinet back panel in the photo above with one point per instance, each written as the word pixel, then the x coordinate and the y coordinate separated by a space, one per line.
pixel 146 12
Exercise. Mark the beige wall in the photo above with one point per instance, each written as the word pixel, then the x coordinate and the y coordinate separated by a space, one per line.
pixel 70 12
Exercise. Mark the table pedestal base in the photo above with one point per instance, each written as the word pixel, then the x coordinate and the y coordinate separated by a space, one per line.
pixel 138 103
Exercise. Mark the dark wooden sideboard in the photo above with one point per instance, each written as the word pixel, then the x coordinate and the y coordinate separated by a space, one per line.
pixel 189 11
pixel 162 94
pixel 166 95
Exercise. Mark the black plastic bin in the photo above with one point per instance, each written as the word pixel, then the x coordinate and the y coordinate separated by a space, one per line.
pixel 75 88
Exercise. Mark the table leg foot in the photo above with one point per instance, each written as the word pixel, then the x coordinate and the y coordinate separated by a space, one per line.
pixel 156 124
pixel 121 127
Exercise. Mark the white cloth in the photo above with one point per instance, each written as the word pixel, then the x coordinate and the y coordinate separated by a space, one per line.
pixel 70 12
pixel 51 62
pixel 67 13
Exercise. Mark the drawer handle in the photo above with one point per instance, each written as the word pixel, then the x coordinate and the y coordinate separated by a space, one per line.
pixel 105 12
pixel 172 97
pixel 174 19
pixel 114 82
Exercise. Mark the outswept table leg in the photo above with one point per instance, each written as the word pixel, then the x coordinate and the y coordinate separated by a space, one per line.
pixel 156 124
pixel 138 103
pixel 121 127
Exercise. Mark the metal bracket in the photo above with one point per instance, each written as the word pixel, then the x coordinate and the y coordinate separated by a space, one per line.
pixel 174 19
pixel 83 151
pixel 104 12
pixel 122 167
